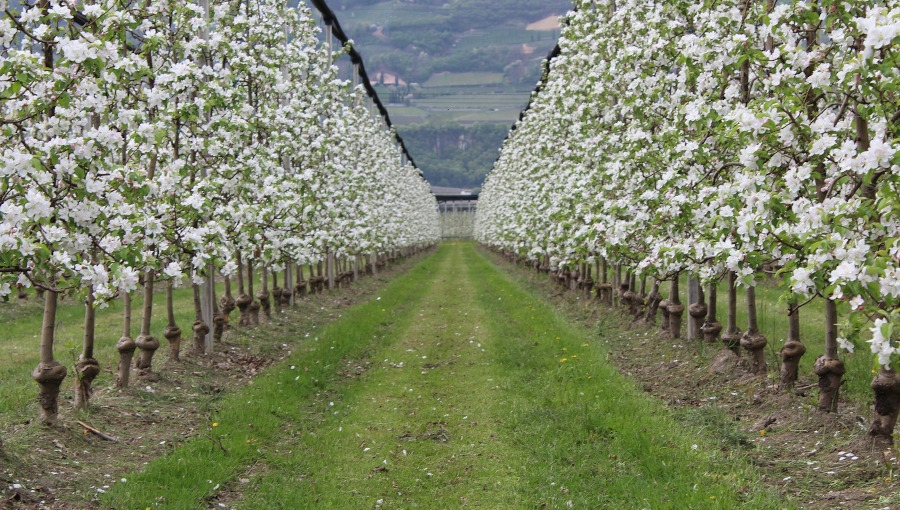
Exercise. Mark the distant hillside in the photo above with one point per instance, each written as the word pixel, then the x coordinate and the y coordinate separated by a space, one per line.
pixel 452 154
pixel 415 40
pixel 446 67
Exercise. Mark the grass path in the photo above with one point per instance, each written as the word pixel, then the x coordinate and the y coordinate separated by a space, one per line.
pixel 455 389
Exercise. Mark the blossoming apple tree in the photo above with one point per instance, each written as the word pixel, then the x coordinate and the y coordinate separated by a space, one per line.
pixel 163 140
pixel 724 140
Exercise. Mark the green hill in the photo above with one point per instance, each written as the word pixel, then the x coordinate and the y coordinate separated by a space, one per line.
pixel 446 67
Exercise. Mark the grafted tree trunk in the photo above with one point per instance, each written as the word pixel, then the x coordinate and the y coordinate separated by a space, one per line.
pixel 253 308
pixel 640 299
pixel 676 310
pixel 125 345
pixel 300 289
pixel 603 287
pixel 886 386
pixel 631 295
pixel 620 287
pixel 263 295
pixel 200 328
pixel 587 284
pixel 226 306
pixel 732 335
pixel 793 348
pixel 711 326
pixel 752 340
pixel 664 311
pixel 87 368
pixel 277 296
pixel 49 373
pixel 243 300
pixel 654 301
pixel 145 342
pixel 172 333
pixel 828 367
pixel 697 311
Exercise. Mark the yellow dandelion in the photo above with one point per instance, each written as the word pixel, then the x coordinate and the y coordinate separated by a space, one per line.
pixel 215 424
pixel 762 432
pixel 563 360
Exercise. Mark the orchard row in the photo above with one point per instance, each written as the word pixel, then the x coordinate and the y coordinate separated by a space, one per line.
pixel 165 140
pixel 735 140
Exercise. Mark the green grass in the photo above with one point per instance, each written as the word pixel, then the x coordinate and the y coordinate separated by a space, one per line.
pixel 21 340
pixel 464 79
pixel 455 388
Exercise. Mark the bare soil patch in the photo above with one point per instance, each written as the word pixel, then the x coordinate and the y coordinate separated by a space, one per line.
pixel 546 24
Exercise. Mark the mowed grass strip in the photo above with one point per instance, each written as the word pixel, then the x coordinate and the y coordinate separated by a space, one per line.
pixel 249 422
pixel 456 389
pixel 592 438
pixel 422 428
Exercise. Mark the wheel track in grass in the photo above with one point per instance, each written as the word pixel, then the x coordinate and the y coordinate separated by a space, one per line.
pixel 421 427
pixel 473 395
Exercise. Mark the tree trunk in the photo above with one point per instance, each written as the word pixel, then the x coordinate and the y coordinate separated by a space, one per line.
pixel 172 331
pixel 604 288
pixel 676 310
pixel 732 335
pixel 618 289
pixel 793 348
pixel 226 306
pixel 253 308
pixel 886 386
pixel 698 311
pixel 630 296
pixel 711 327
pixel 828 367
pixel 87 368
pixel 263 295
pixel 146 343
pixel 49 373
pixel 300 289
pixel 752 340
pixel 653 302
pixel 664 310
pixel 125 345
pixel 243 300
pixel 587 283
pixel 640 299
pixel 277 295
pixel 199 327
